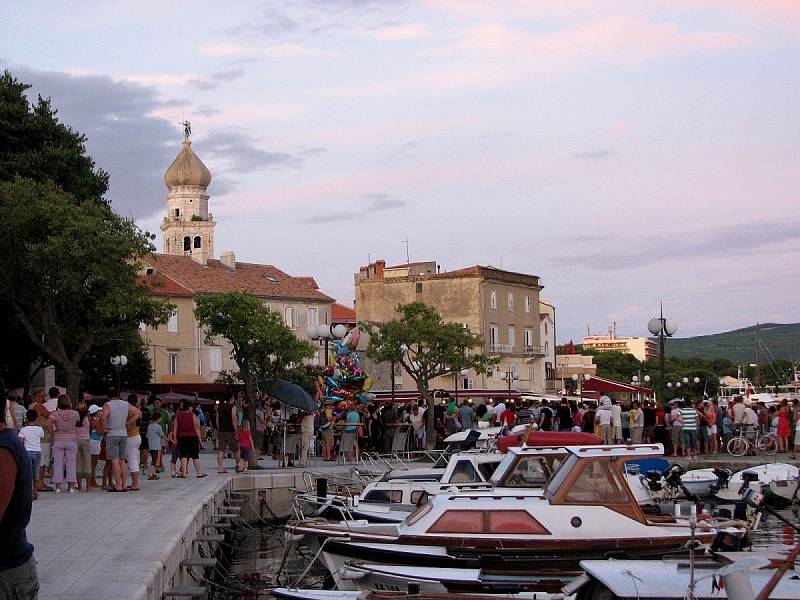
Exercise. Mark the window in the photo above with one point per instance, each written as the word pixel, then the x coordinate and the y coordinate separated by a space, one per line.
pixel 492 299
pixel 172 324
pixel 177 212
pixel 545 328
pixel 415 496
pixel 467 384
pixel 494 335
pixel 596 483
pixel 513 521
pixel 187 244
pixel 487 469
pixel 313 317
pixel 528 338
pixel 290 317
pixel 174 363
pixel 528 472
pixel 546 347
pixel 384 496
pixel 198 243
pixel 513 368
pixel 510 302
pixel 418 288
pixel 459 521
pixel 215 359
pixel 464 472
pixel 531 372
pixel 512 337
pixel 497 375
pixel 527 304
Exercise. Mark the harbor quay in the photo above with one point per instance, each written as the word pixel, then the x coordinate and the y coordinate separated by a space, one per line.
pixel 139 545
pixel 97 546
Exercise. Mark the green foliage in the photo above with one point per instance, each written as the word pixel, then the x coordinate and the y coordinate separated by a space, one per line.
pixel 739 346
pixel 34 145
pixel 305 376
pixel 69 272
pixel 426 347
pixel 618 366
pixel 229 378
pixel 197 218
pixel 99 373
pixel 263 346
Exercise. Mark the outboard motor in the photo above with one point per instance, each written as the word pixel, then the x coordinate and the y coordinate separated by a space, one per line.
pixel 672 476
pixel 748 477
pixel 723 477
pixel 653 480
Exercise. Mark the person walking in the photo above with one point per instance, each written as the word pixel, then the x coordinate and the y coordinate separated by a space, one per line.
pixel 246 446
pixel 155 436
pixel 62 424
pixel 227 433
pixel 83 463
pixel 18 577
pixel 186 429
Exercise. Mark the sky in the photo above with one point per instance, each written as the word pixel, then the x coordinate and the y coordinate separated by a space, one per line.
pixel 629 153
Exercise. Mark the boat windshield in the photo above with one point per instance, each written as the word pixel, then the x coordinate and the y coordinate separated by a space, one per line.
pixel 560 476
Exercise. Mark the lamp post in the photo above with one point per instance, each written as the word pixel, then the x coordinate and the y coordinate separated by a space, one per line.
pixel 663 328
pixel 578 380
pixel 510 376
pixel 638 380
pixel 326 332
pixel 119 362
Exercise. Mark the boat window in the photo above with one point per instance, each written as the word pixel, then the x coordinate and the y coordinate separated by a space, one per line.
pixel 503 468
pixel 487 469
pixel 560 476
pixel 596 483
pixel 415 496
pixel 459 521
pixel 464 472
pixel 530 471
pixel 384 496
pixel 514 521
pixel 419 513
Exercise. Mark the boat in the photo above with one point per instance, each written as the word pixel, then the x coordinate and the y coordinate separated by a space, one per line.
pixel 756 478
pixel 705 482
pixel 586 509
pixel 782 492
pixel 308 594
pixel 734 575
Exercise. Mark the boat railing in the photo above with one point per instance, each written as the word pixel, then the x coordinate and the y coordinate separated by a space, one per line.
pixel 402 459
pixel 304 503
pixel 343 485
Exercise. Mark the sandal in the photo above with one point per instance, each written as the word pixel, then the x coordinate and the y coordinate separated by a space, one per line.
pixel 203 475
pixel 116 490
pixel 132 489
pixel 222 471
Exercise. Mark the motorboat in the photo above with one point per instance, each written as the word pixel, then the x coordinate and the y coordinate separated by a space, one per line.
pixel 756 478
pixel 735 575
pixel 309 594
pixel 782 492
pixel 585 509
pixel 704 483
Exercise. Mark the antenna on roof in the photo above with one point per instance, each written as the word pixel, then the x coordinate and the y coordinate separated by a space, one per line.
pixel 405 241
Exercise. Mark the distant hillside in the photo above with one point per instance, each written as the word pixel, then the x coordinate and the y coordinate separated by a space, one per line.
pixel 739 346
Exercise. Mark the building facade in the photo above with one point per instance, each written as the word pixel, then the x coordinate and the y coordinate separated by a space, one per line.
pixel 187 269
pixel 643 348
pixel 502 306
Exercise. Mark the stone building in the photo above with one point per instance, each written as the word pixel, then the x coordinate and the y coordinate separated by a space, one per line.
pixel 187 268
pixel 502 306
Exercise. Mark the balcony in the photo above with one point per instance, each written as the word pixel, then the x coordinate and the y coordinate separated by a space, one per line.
pixel 534 350
pixel 501 349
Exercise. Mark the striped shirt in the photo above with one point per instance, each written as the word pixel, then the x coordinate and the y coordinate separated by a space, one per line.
pixel 689 417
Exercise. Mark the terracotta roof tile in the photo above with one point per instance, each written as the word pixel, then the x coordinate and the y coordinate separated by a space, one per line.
pixel 265 281
pixel 342 314
pixel 162 286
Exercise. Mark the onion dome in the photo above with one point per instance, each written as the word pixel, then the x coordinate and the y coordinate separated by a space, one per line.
pixel 187 169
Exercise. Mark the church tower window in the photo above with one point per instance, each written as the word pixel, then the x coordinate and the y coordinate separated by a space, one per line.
pixel 187 244
pixel 197 242
pixel 177 212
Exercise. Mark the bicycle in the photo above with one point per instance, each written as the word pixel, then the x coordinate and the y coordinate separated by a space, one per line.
pixel 741 444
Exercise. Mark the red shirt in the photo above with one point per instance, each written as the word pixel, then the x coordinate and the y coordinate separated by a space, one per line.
pixel 245 439
pixel 185 420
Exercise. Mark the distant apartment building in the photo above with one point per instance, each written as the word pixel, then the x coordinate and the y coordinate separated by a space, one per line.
pixel 642 348
pixel 572 368
pixel 502 306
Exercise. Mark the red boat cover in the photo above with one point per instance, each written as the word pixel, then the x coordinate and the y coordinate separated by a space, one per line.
pixel 549 438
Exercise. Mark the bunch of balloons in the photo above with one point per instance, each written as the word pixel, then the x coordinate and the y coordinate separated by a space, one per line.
pixel 351 383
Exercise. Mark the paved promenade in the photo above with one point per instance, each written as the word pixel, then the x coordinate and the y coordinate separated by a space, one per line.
pixel 97 545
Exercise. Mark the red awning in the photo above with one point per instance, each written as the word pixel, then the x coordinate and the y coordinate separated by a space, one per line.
pixel 600 384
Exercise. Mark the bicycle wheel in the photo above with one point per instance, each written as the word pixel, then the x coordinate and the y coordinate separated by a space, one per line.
pixel 768 445
pixel 737 446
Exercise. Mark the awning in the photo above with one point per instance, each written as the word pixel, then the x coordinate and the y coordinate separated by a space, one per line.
pixel 175 398
pixel 600 384
pixel 413 395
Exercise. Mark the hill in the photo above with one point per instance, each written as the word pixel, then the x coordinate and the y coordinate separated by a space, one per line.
pixel 739 346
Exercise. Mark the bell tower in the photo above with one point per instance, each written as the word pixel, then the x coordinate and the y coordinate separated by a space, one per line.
pixel 188 228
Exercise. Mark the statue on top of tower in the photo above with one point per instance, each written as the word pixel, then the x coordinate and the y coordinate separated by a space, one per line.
pixel 187 130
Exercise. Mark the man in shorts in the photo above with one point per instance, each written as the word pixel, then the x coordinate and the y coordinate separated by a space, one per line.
pixel 227 433
pixel 113 421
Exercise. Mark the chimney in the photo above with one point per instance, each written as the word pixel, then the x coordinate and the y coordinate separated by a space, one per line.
pixel 380 265
pixel 228 258
pixel 200 255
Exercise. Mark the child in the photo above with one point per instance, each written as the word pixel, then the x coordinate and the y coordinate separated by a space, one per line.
pixel 172 442
pixel 31 436
pixel 154 435
pixel 245 445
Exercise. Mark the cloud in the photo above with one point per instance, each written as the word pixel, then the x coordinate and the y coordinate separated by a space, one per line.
pixel 212 82
pixel 123 136
pixel 367 204
pixel 596 154
pixel 276 51
pixel 404 151
pixel 728 242
pixel 395 32
pixel 240 152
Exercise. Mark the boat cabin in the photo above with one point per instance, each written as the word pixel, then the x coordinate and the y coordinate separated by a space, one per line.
pixel 528 467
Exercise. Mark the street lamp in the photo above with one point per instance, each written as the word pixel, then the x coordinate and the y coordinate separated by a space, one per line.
pixel 119 362
pixel 637 381
pixel 579 379
pixel 510 376
pixel 326 332
pixel 663 328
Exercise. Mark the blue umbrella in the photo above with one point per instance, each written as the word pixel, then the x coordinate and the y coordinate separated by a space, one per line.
pixel 290 394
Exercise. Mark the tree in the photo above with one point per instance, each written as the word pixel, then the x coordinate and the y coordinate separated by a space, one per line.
pixel 619 366
pixel 263 347
pixel 99 373
pixel 426 347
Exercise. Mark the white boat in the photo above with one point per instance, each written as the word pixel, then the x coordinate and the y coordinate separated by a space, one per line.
pixel 586 509
pixel 765 475
pixel 700 482
pixel 307 594
pixel 736 576
pixel 782 491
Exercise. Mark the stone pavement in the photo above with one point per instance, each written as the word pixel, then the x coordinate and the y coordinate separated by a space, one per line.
pixel 99 545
